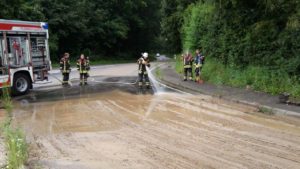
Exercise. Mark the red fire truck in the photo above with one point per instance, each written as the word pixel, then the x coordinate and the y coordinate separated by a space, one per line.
pixel 24 54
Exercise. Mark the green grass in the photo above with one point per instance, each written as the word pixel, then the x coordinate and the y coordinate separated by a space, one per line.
pixel 14 138
pixel 179 64
pixel 16 146
pixel 256 78
pixel 158 73
pixel 6 100
pixel 265 110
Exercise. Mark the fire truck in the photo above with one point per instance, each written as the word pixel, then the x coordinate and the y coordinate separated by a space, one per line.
pixel 24 54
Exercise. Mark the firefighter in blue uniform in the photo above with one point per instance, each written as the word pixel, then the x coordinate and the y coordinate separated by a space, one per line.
pixel 83 67
pixel 199 59
pixel 143 62
pixel 188 66
pixel 65 68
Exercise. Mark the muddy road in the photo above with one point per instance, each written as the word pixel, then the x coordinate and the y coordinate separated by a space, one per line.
pixel 113 125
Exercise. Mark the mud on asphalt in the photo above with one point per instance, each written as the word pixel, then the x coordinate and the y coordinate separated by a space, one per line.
pixel 115 125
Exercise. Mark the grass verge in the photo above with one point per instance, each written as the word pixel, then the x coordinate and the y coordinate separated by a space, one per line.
pixel 158 73
pixel 256 78
pixel 265 110
pixel 14 138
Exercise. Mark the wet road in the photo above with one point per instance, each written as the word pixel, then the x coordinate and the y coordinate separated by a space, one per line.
pixel 117 126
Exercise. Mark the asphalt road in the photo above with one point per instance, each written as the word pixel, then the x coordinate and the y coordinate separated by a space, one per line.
pixel 112 124
pixel 118 70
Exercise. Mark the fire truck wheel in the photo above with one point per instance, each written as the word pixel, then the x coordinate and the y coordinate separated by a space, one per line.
pixel 21 84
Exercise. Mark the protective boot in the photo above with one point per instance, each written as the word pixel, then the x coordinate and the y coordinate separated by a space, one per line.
pixel 85 80
pixel 197 79
pixel 147 84
pixel 140 85
pixel 81 82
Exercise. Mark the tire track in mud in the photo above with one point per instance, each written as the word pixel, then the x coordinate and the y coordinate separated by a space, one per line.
pixel 121 130
pixel 273 149
pixel 188 142
pixel 244 133
pixel 258 121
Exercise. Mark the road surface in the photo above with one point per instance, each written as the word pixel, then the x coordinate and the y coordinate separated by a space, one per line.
pixel 114 125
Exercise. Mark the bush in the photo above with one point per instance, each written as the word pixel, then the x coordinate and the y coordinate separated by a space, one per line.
pixel 14 138
pixel 196 19
pixel 16 147
pixel 257 78
pixel 249 43
pixel 242 34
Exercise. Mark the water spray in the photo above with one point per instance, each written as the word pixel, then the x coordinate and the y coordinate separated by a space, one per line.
pixel 155 84
pixel 160 87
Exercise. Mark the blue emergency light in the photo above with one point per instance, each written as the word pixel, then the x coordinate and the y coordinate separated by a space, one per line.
pixel 45 25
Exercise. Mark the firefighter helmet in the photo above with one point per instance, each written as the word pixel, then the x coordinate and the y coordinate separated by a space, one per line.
pixel 145 55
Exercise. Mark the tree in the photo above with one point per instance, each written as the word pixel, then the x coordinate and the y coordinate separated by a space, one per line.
pixel 171 23
pixel 241 33
pixel 97 27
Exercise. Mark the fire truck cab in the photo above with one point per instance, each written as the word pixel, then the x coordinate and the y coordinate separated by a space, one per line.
pixel 24 54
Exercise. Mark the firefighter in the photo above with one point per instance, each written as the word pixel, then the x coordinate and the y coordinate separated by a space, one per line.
pixel 188 66
pixel 88 62
pixel 65 68
pixel 143 74
pixel 198 66
pixel 83 67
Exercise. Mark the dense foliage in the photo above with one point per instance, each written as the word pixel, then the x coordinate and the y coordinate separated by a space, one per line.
pixel 239 33
pixel 248 43
pixel 96 27
pixel 171 23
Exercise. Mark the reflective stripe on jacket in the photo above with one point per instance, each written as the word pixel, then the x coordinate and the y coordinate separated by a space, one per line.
pixel 83 65
pixel 142 67
pixel 188 61
pixel 65 66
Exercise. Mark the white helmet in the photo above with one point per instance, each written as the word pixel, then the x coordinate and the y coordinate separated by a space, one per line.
pixel 145 55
